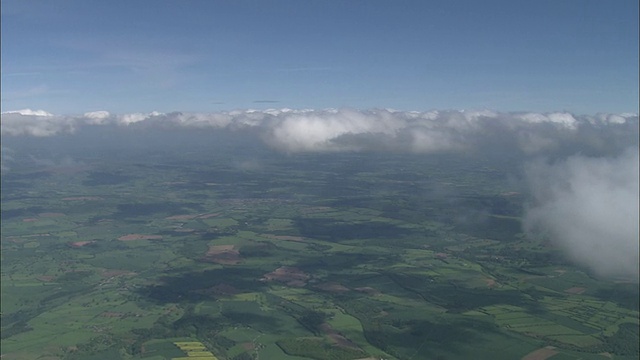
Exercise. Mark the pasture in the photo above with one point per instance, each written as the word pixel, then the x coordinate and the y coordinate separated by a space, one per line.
pixel 213 262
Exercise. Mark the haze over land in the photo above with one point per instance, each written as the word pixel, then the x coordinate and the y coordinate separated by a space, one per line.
pixel 582 171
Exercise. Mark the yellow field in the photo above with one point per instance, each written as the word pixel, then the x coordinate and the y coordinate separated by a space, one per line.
pixel 195 350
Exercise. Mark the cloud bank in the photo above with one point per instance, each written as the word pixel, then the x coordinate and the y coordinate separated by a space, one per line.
pixel 373 130
pixel 589 206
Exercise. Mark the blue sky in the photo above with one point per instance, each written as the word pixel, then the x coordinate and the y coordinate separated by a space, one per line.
pixel 70 57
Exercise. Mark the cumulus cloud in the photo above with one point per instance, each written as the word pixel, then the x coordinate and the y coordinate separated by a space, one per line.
pixel 97 117
pixel 35 123
pixel 371 130
pixel 589 207
pixel 319 131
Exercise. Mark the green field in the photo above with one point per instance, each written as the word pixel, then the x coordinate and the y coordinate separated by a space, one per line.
pixel 315 257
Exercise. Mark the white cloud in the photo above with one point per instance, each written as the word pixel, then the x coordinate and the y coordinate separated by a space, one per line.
pixel 29 112
pixel 97 117
pixel 216 120
pixel 350 130
pixel 128 119
pixel 35 123
pixel 319 131
pixel 564 119
pixel 589 207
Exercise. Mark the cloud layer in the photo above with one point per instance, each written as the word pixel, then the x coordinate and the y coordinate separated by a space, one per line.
pixel 373 130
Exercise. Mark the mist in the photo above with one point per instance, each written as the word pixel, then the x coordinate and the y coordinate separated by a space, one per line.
pixel 589 207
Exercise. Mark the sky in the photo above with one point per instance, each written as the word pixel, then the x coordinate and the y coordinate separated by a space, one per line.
pixel 72 57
